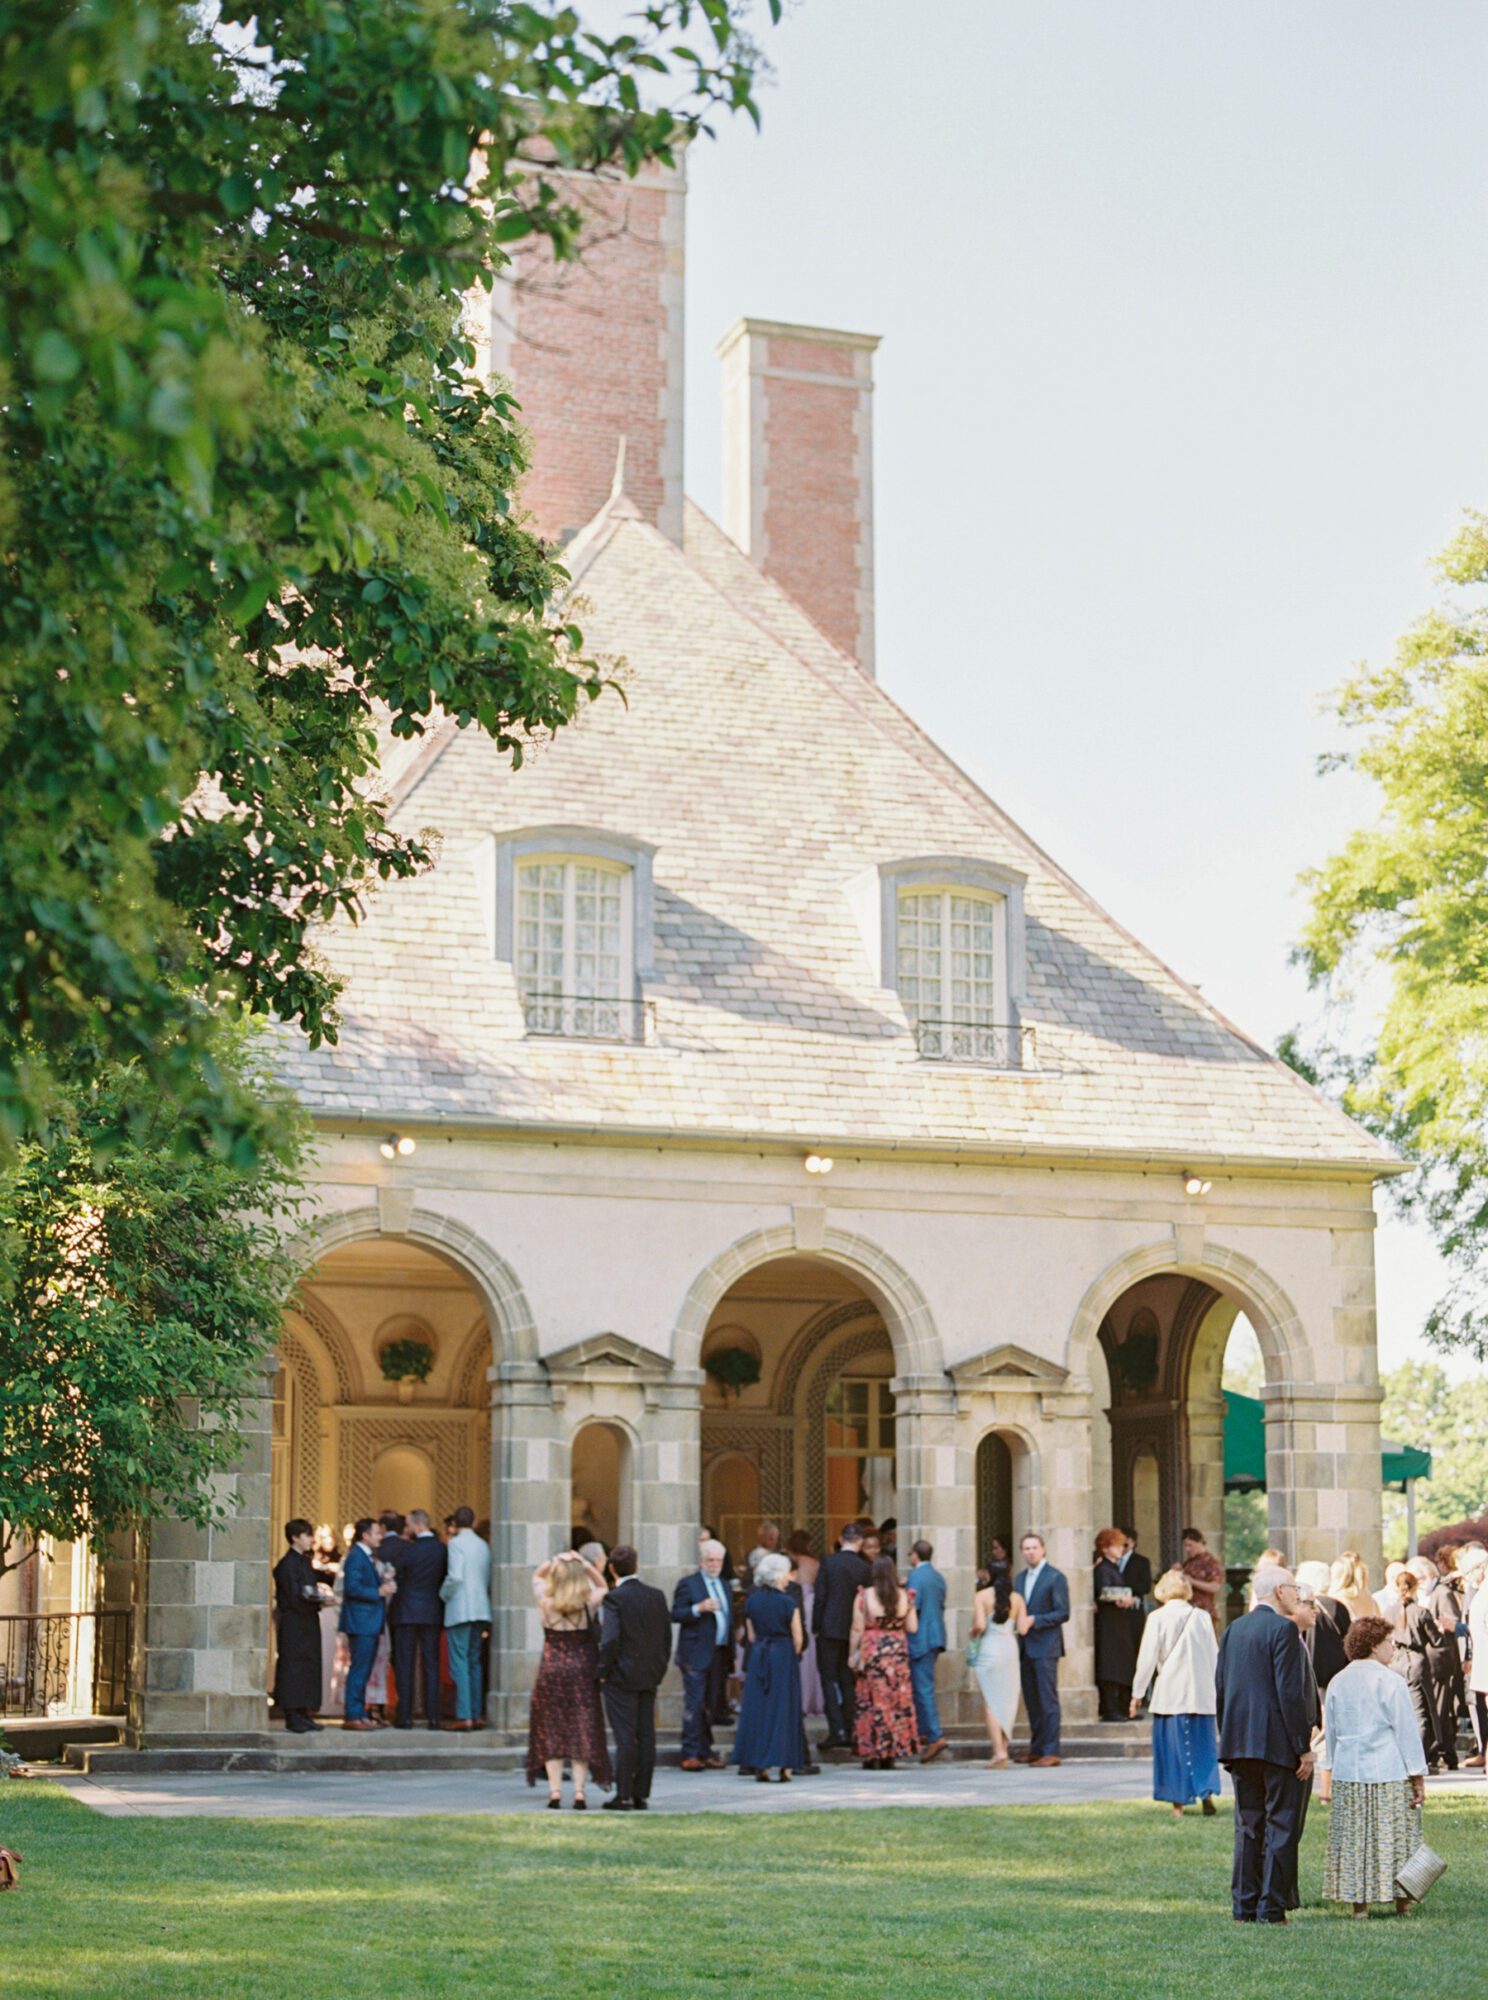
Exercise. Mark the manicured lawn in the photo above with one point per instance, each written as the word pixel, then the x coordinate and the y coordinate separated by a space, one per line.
pixel 1048 1902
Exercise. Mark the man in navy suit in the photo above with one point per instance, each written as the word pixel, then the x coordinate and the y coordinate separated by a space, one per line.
pixel 422 1562
pixel 364 1598
pixel 1266 1704
pixel 702 1612
pixel 1045 1594
pixel 926 1644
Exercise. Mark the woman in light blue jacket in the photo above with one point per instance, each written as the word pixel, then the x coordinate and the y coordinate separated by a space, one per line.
pixel 1373 1770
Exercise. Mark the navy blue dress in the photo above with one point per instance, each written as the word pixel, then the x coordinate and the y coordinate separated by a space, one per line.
pixel 769 1733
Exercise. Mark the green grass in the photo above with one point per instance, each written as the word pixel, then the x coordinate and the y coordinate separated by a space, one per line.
pixel 1113 1901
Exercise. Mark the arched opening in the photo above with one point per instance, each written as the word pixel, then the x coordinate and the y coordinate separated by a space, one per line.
pixel 380 1400
pixel 811 1441
pixel 1004 1479
pixel 599 1480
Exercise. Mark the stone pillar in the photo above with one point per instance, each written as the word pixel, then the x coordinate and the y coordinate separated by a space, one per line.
pixel 1323 1470
pixel 670 1477
pixel 529 1506
pixel 936 1474
pixel 201 1610
pixel 1070 1507
pixel 1206 1414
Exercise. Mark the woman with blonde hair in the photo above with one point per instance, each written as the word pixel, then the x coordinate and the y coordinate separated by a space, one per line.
pixel 1349 1583
pixel 567 1723
pixel 1177 1660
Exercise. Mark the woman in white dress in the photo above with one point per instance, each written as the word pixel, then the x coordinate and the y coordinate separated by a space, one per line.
pixel 999 1615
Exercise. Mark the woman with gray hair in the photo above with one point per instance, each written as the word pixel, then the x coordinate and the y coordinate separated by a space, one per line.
pixel 770 1732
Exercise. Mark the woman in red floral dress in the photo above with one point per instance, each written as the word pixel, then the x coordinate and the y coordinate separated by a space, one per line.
pixel 883 1619
pixel 567 1723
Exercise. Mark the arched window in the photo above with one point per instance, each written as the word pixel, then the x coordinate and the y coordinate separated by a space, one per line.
pixel 952 948
pixel 572 910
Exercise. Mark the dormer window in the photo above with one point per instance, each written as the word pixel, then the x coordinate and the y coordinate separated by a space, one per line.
pixel 573 919
pixel 952 948
pixel 573 955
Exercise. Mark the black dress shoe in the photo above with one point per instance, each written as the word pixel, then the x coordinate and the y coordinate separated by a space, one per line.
pixel 297 1728
pixel 640 1805
pixel 313 1725
pixel 617 1805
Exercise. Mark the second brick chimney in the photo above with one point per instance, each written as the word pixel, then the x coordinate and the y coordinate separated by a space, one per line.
pixel 798 468
pixel 593 349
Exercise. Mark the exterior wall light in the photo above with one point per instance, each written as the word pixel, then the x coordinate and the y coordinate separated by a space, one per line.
pixel 397 1146
pixel 818 1163
pixel 1196 1184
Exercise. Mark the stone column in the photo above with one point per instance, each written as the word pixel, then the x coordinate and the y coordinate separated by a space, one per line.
pixel 1323 1470
pixel 529 1501
pixel 1069 1507
pixel 670 1477
pixel 936 1476
pixel 201 1610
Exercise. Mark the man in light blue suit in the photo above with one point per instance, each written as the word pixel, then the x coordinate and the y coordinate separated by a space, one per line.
pixel 466 1592
pixel 926 1644
pixel 1045 1594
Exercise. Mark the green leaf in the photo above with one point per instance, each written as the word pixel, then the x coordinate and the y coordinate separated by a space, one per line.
pixel 54 357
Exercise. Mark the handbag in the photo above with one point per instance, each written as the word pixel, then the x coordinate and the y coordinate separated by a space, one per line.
pixel 1417 1875
pixel 10 1868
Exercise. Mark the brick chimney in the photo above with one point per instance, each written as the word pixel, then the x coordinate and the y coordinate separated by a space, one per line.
pixel 594 351
pixel 798 468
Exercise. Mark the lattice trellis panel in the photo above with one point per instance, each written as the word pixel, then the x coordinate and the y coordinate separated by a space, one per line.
pixel 304 1441
pixel 770 1448
pixel 450 1440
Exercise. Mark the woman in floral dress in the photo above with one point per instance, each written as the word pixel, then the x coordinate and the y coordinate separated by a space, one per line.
pixel 882 1622
pixel 566 1723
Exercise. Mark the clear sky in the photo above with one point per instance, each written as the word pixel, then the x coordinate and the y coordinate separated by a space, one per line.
pixel 1183 307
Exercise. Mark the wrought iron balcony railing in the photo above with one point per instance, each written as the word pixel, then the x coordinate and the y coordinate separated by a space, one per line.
pixel 64 1662
pixel 992 1044
pixel 588 1017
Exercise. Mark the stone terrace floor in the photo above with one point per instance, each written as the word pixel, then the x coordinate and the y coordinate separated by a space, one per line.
pixel 276 1795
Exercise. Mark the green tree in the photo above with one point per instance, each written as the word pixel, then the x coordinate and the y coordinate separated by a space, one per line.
pixel 252 505
pixel 1423 1406
pixel 142 1281
pixel 1398 930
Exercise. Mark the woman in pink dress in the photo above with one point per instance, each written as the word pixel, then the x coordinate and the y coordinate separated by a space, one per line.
pixel 806 1567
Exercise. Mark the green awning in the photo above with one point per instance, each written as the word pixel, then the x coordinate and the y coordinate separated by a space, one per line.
pixel 1245 1450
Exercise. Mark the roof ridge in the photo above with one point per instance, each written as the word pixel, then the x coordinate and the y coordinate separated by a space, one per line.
pixel 931 755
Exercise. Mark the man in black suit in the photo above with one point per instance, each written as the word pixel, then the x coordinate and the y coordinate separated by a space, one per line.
pixel 1266 1699
pixel 635 1650
pixel 422 1562
pixel 842 1575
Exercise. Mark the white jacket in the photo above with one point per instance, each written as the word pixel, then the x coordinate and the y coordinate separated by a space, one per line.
pixel 1477 1625
pixel 1370 1733
pixel 1179 1647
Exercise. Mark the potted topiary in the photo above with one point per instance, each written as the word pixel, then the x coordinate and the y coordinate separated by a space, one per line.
pixel 733 1368
pixel 407 1362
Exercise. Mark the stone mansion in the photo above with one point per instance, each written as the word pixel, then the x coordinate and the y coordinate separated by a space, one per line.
pixel 783 1131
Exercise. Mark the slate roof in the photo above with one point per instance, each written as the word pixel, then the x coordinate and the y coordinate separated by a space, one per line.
pixel 768 772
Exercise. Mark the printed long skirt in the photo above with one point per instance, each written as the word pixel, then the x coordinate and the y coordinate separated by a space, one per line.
pixel 566 1719
pixel 1372 1832
pixel 886 1717
pixel 1185 1758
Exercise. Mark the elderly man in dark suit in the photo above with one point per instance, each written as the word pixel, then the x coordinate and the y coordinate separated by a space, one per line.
pixel 635 1650
pixel 421 1564
pixel 1266 1705
pixel 841 1576
pixel 702 1611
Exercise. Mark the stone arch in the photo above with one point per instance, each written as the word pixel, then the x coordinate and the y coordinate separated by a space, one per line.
pixel 334 1344
pixel 1277 1324
pixel 508 1314
pixel 470 1390
pixel 906 1312
pixel 305 1495
pixel 1025 1485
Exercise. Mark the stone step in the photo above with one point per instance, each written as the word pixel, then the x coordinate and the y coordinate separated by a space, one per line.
pixel 40 1738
